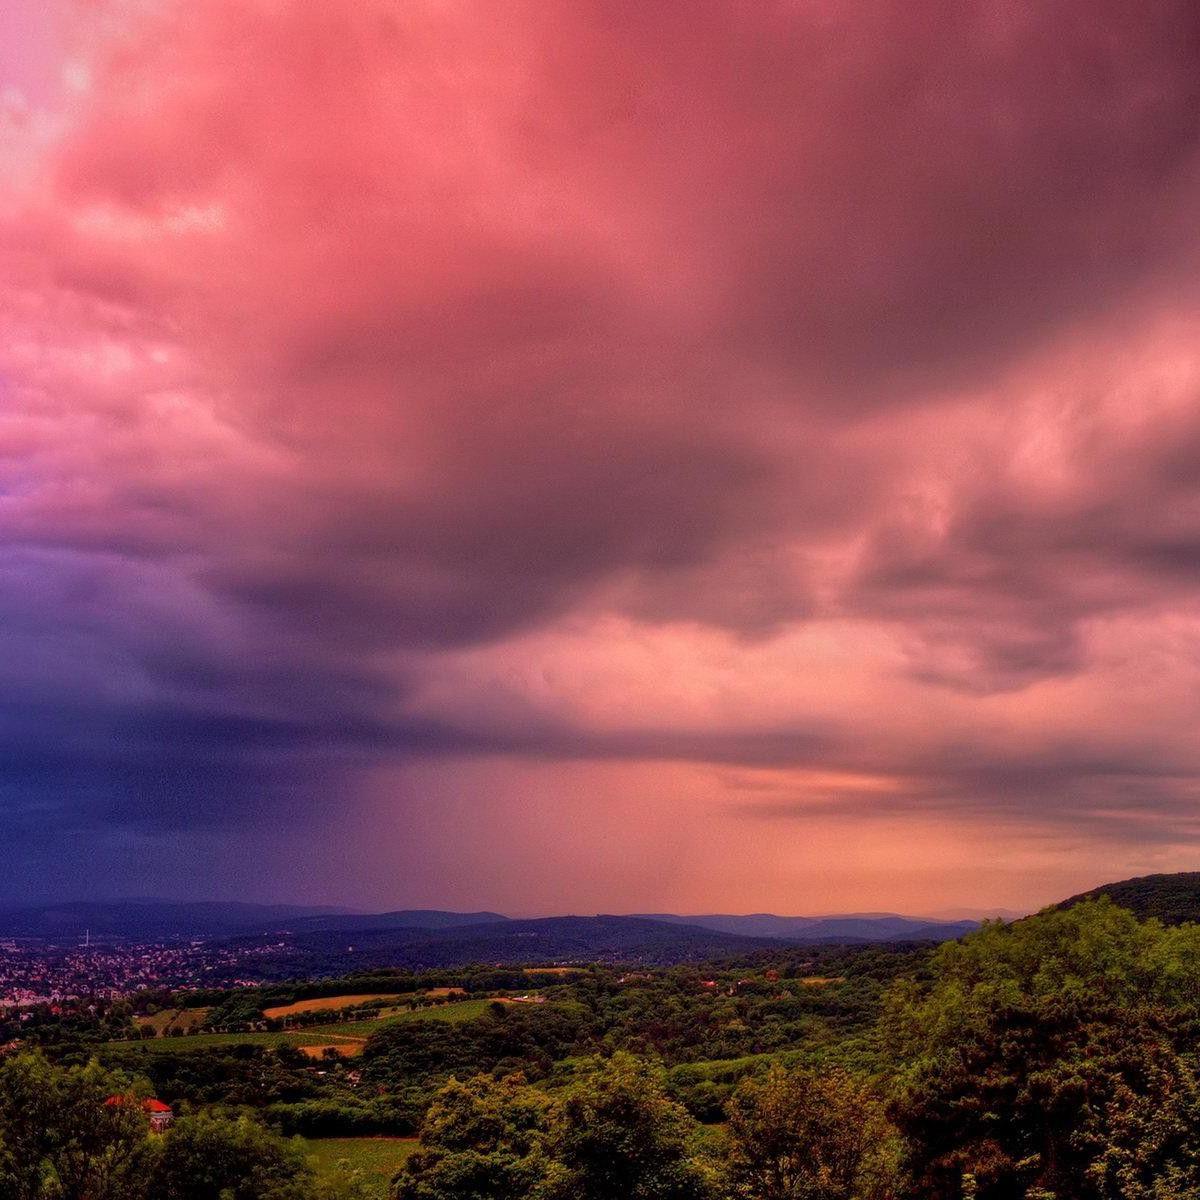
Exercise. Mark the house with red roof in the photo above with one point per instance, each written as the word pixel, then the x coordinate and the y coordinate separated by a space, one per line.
pixel 157 1113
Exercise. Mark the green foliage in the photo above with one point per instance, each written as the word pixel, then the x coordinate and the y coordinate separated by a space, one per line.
pixel 181 1043
pixel 614 1135
pixel 1055 1059
pixel 396 1114
pixel 357 1168
pixel 61 1138
pixel 251 1075
pixel 98 1149
pixel 1056 1054
pixel 79 1133
pixel 1093 951
pixel 453 1012
pixel 617 1136
pixel 206 1156
pixel 1172 899
pixel 1082 1104
pixel 504 1039
pixel 236 1010
pixel 800 1135
pixel 480 1141
pixel 758 1009
pixel 26 1124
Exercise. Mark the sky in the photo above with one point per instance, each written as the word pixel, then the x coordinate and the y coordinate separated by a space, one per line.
pixel 599 456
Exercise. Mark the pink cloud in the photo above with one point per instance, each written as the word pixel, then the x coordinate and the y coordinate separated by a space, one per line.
pixel 810 389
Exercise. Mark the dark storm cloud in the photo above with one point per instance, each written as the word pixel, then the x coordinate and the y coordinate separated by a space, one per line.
pixel 346 339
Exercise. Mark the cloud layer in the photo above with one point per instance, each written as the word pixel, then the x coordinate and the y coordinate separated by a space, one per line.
pixel 800 397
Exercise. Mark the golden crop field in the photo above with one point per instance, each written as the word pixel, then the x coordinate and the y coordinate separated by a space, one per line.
pixel 325 1003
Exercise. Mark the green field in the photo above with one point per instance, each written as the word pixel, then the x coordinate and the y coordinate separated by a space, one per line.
pixel 351 1034
pixel 462 1010
pixel 204 1041
pixel 718 1070
pixel 378 1158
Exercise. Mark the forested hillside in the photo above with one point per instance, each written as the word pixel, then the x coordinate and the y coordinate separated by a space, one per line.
pixel 1171 899
pixel 1055 1057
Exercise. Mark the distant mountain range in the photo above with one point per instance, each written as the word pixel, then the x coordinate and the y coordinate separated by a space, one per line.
pixel 539 940
pixel 865 927
pixel 160 919
pixel 404 918
pixel 315 939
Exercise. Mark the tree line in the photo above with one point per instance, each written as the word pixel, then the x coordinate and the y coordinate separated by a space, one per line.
pixel 1054 1059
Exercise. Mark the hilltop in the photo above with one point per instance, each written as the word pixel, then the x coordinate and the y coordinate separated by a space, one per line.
pixel 1172 898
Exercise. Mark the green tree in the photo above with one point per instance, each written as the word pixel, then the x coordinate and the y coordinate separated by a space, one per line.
pixel 99 1141
pixel 60 1136
pixel 800 1135
pixel 617 1136
pixel 1054 1056
pixel 26 1124
pixel 205 1156
pixel 79 1133
pixel 480 1141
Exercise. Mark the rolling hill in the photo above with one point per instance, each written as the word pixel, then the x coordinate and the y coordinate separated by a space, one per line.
pixel 1173 898
pixel 570 939
pixel 539 940
pixel 436 937
pixel 405 918
pixel 865 927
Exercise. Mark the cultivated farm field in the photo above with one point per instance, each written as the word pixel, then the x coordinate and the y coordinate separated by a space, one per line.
pixel 326 1003
pixel 203 1041
pixel 348 1037
pixel 455 1013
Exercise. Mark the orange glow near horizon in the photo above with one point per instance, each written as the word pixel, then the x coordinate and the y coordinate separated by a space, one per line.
pixel 598 457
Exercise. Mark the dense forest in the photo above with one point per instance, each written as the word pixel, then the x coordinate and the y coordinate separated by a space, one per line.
pixel 1173 898
pixel 1057 1057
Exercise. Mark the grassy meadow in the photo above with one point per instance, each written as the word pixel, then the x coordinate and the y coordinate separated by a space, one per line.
pixel 377 1158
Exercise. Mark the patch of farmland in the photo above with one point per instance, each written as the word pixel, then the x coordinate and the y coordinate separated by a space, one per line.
pixel 326 1003
pixel 343 1049
pixel 462 1010
pixel 208 1041
pixel 346 1036
pixel 184 1020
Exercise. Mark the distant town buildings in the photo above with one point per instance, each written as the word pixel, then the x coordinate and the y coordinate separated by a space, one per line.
pixel 36 974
